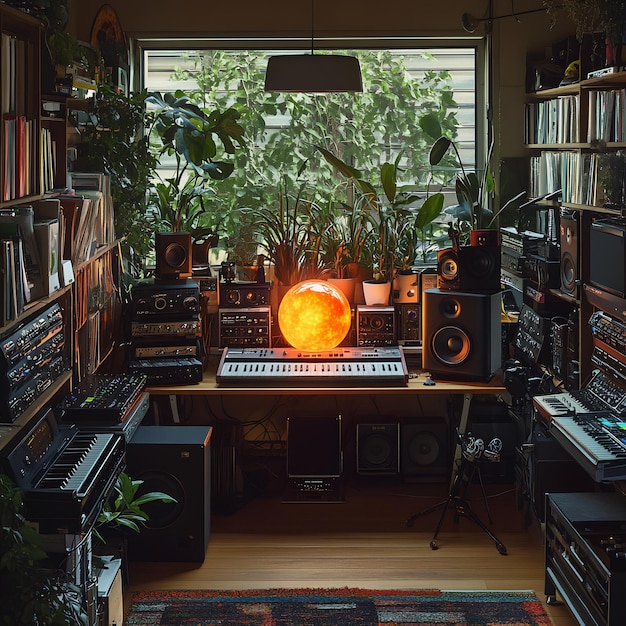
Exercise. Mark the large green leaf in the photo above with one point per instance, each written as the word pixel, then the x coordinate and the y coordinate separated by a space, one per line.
pixel 388 179
pixel 429 211
pixel 430 124
pixel 438 150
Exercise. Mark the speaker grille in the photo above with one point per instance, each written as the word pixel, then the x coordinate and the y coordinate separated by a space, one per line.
pixel 378 448
pixel 568 230
pixel 424 449
pixel 173 255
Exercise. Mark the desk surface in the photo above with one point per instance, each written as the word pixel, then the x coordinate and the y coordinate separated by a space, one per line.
pixel 416 385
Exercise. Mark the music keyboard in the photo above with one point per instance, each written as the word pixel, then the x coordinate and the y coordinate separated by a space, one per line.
pixel 596 442
pixel 383 366
pixel 561 405
pixel 65 474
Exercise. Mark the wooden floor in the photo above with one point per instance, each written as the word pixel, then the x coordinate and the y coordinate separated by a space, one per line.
pixel 365 542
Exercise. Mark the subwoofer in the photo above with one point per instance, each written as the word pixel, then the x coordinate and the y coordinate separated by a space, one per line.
pixel 173 255
pixel 424 449
pixel 175 460
pixel 378 448
pixel 568 229
pixel 469 268
pixel 461 334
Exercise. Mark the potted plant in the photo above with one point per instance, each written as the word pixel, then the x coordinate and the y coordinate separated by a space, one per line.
pixel 473 218
pixel 290 235
pixel 31 594
pixel 123 514
pixel 182 202
pixel 390 216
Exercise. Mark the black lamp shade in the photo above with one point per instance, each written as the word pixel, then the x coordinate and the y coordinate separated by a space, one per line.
pixel 313 73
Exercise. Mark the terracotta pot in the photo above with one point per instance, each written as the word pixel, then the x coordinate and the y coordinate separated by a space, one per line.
pixel 346 286
pixel 359 273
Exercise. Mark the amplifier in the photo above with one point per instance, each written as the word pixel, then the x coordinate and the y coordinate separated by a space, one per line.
pixel 245 327
pixel 512 261
pixel 17 345
pixel 169 371
pixel 609 330
pixel 375 326
pixel 166 298
pixel 148 352
pixel 544 273
pixel 187 328
pixel 410 327
pixel 244 294
pixel 526 242
pixel 15 400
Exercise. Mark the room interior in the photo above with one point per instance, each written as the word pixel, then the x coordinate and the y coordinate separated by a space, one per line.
pixel 474 515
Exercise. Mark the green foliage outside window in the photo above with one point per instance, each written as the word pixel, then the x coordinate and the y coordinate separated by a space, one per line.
pixel 365 129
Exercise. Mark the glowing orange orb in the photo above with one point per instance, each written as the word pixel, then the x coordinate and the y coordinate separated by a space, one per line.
pixel 314 315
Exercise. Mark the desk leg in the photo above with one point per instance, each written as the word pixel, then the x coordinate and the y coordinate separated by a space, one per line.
pixel 458 452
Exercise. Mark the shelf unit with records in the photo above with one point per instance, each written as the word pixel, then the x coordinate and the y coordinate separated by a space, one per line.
pixel 576 134
pixel 59 322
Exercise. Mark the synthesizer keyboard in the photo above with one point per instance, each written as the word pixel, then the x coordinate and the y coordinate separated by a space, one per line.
pixel 596 442
pixel 105 398
pixel 600 394
pixel 382 366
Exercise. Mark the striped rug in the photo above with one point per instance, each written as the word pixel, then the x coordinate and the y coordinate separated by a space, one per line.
pixel 336 607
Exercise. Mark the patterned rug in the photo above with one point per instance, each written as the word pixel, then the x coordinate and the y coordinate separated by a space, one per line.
pixel 336 607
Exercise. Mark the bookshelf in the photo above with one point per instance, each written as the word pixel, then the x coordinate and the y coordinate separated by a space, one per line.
pixel 576 135
pixel 35 215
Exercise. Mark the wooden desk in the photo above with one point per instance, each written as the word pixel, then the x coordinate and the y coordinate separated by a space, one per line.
pixel 209 387
pixel 415 386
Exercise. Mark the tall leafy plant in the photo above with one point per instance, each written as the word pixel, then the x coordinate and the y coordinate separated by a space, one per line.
pixel 391 210
pixel 190 134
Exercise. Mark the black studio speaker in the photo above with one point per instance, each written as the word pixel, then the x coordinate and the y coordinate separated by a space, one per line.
pixel 175 460
pixel 461 334
pixel 378 448
pixel 173 255
pixel 568 231
pixel 424 449
pixel 469 268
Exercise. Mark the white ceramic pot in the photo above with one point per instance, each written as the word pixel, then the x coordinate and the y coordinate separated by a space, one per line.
pixel 376 293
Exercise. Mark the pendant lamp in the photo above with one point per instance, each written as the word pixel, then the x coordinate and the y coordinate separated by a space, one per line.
pixel 313 73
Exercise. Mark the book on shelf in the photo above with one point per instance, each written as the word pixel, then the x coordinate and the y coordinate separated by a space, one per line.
pixel 15 290
pixel 50 209
pixel 22 216
pixel 47 233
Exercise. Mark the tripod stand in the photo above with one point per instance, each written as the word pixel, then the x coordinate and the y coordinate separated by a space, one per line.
pixel 469 465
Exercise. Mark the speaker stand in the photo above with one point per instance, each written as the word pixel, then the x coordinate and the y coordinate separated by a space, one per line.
pixel 462 508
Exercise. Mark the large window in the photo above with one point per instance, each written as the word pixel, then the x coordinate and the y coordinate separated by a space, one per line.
pixel 401 86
